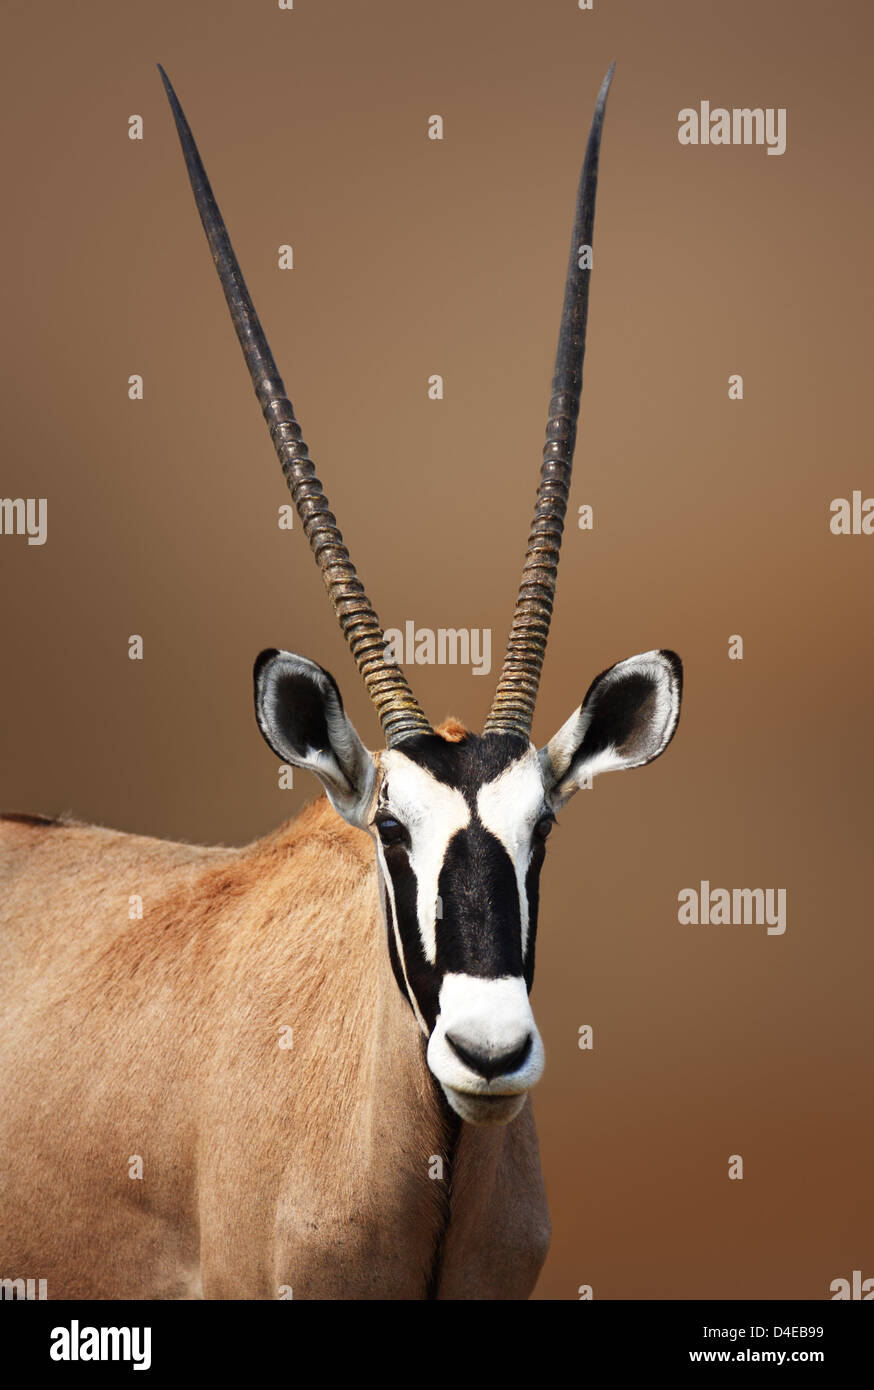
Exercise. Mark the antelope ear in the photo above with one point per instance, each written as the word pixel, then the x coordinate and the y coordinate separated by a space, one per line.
pixel 627 719
pixel 300 713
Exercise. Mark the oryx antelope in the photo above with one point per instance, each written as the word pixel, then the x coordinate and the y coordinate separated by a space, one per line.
pixel 391 926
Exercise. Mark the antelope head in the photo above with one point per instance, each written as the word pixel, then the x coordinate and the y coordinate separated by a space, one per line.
pixel 460 821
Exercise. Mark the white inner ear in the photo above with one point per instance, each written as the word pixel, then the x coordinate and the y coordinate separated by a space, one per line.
pixel 347 761
pixel 328 771
pixel 559 753
pixel 350 793
pixel 345 768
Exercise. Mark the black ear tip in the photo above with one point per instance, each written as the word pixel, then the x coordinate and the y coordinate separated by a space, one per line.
pixel 676 666
pixel 262 659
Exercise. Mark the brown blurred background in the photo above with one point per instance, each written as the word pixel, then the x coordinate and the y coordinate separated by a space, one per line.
pixel 415 257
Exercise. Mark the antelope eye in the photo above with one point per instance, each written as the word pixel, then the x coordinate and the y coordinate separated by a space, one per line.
pixel 391 832
pixel 543 827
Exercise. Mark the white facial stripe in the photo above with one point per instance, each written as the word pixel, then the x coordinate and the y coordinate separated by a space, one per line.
pixel 509 807
pixel 432 813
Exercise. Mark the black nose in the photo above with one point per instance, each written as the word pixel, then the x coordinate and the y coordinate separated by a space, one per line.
pixel 489 1064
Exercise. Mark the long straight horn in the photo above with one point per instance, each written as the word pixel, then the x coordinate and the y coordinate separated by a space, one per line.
pixel 395 703
pixel 513 706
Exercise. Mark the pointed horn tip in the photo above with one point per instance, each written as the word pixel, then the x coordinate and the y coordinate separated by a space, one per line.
pixel 168 87
pixel 499 720
pixel 605 88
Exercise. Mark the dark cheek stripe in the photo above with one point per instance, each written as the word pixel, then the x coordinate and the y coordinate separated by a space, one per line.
pixel 397 968
pixel 423 979
pixel 532 888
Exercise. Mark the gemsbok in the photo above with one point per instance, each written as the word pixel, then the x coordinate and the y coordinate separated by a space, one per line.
pixel 305 1071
